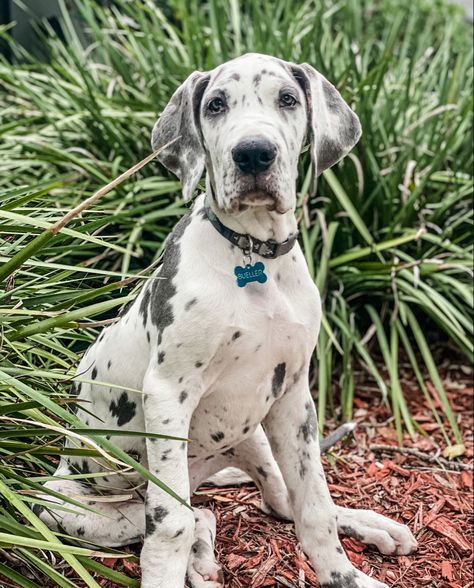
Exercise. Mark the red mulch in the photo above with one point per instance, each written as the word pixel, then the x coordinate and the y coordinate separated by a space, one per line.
pixel 256 550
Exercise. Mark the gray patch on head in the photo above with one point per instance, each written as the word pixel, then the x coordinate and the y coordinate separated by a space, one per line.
pixel 331 95
pixel 328 152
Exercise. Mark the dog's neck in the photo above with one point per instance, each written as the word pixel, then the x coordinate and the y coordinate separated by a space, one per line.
pixel 258 222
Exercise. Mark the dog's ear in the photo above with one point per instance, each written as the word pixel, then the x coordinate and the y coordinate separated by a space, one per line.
pixel 186 156
pixel 334 127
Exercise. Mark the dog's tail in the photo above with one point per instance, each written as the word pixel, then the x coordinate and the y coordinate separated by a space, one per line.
pixel 234 476
pixel 336 436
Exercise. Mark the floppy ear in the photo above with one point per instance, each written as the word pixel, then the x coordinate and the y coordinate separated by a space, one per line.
pixel 334 127
pixel 185 157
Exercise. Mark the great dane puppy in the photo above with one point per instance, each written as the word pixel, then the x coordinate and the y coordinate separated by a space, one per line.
pixel 220 339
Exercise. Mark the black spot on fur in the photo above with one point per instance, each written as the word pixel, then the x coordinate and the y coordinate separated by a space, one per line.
pixel 190 304
pixel 278 378
pixel 339 550
pixel 83 467
pixel 245 430
pixel 183 395
pixel 94 373
pixel 228 452
pixel 123 409
pixel 37 509
pixel 75 389
pixel 198 364
pixel 159 513
pixel 236 335
pixel 262 472
pixel 339 580
pixel 150 526
pixel 302 469
pixel 161 357
pixel 145 303
pixel 198 548
pixel 309 429
pixel 178 533
pixel 109 364
pixel 80 531
pixel 163 289
pixel 351 532
pixel 217 436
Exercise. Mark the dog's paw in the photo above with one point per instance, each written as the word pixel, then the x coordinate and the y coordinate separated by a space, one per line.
pixel 352 579
pixel 195 579
pixel 203 570
pixel 390 537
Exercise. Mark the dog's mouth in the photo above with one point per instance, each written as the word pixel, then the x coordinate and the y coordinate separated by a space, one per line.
pixel 257 192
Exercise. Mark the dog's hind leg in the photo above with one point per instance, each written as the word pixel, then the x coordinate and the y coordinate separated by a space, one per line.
pixel 116 522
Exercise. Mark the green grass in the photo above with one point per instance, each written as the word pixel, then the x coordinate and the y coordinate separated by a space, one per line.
pixel 388 238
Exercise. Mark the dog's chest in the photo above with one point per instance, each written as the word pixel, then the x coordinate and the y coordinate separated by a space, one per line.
pixel 259 355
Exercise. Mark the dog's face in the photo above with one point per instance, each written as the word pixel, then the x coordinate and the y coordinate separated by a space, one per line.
pixel 253 124
pixel 246 123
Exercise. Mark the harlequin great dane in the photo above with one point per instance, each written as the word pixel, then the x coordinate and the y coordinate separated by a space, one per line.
pixel 220 339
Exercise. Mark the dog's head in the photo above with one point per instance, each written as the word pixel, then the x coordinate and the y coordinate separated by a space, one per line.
pixel 246 122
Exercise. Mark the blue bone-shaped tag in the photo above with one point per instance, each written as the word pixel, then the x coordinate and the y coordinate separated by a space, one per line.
pixel 250 273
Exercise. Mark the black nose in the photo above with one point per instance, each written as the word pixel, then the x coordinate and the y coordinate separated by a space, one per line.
pixel 254 155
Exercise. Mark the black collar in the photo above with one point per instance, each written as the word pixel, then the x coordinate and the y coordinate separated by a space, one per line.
pixel 248 244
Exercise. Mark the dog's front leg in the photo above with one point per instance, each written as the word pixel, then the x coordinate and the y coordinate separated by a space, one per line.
pixel 291 427
pixel 169 525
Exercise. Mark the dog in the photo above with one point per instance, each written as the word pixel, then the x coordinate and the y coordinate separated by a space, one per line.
pixel 217 345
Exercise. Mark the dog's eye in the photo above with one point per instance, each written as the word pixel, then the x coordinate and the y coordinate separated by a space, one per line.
pixel 216 105
pixel 287 100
